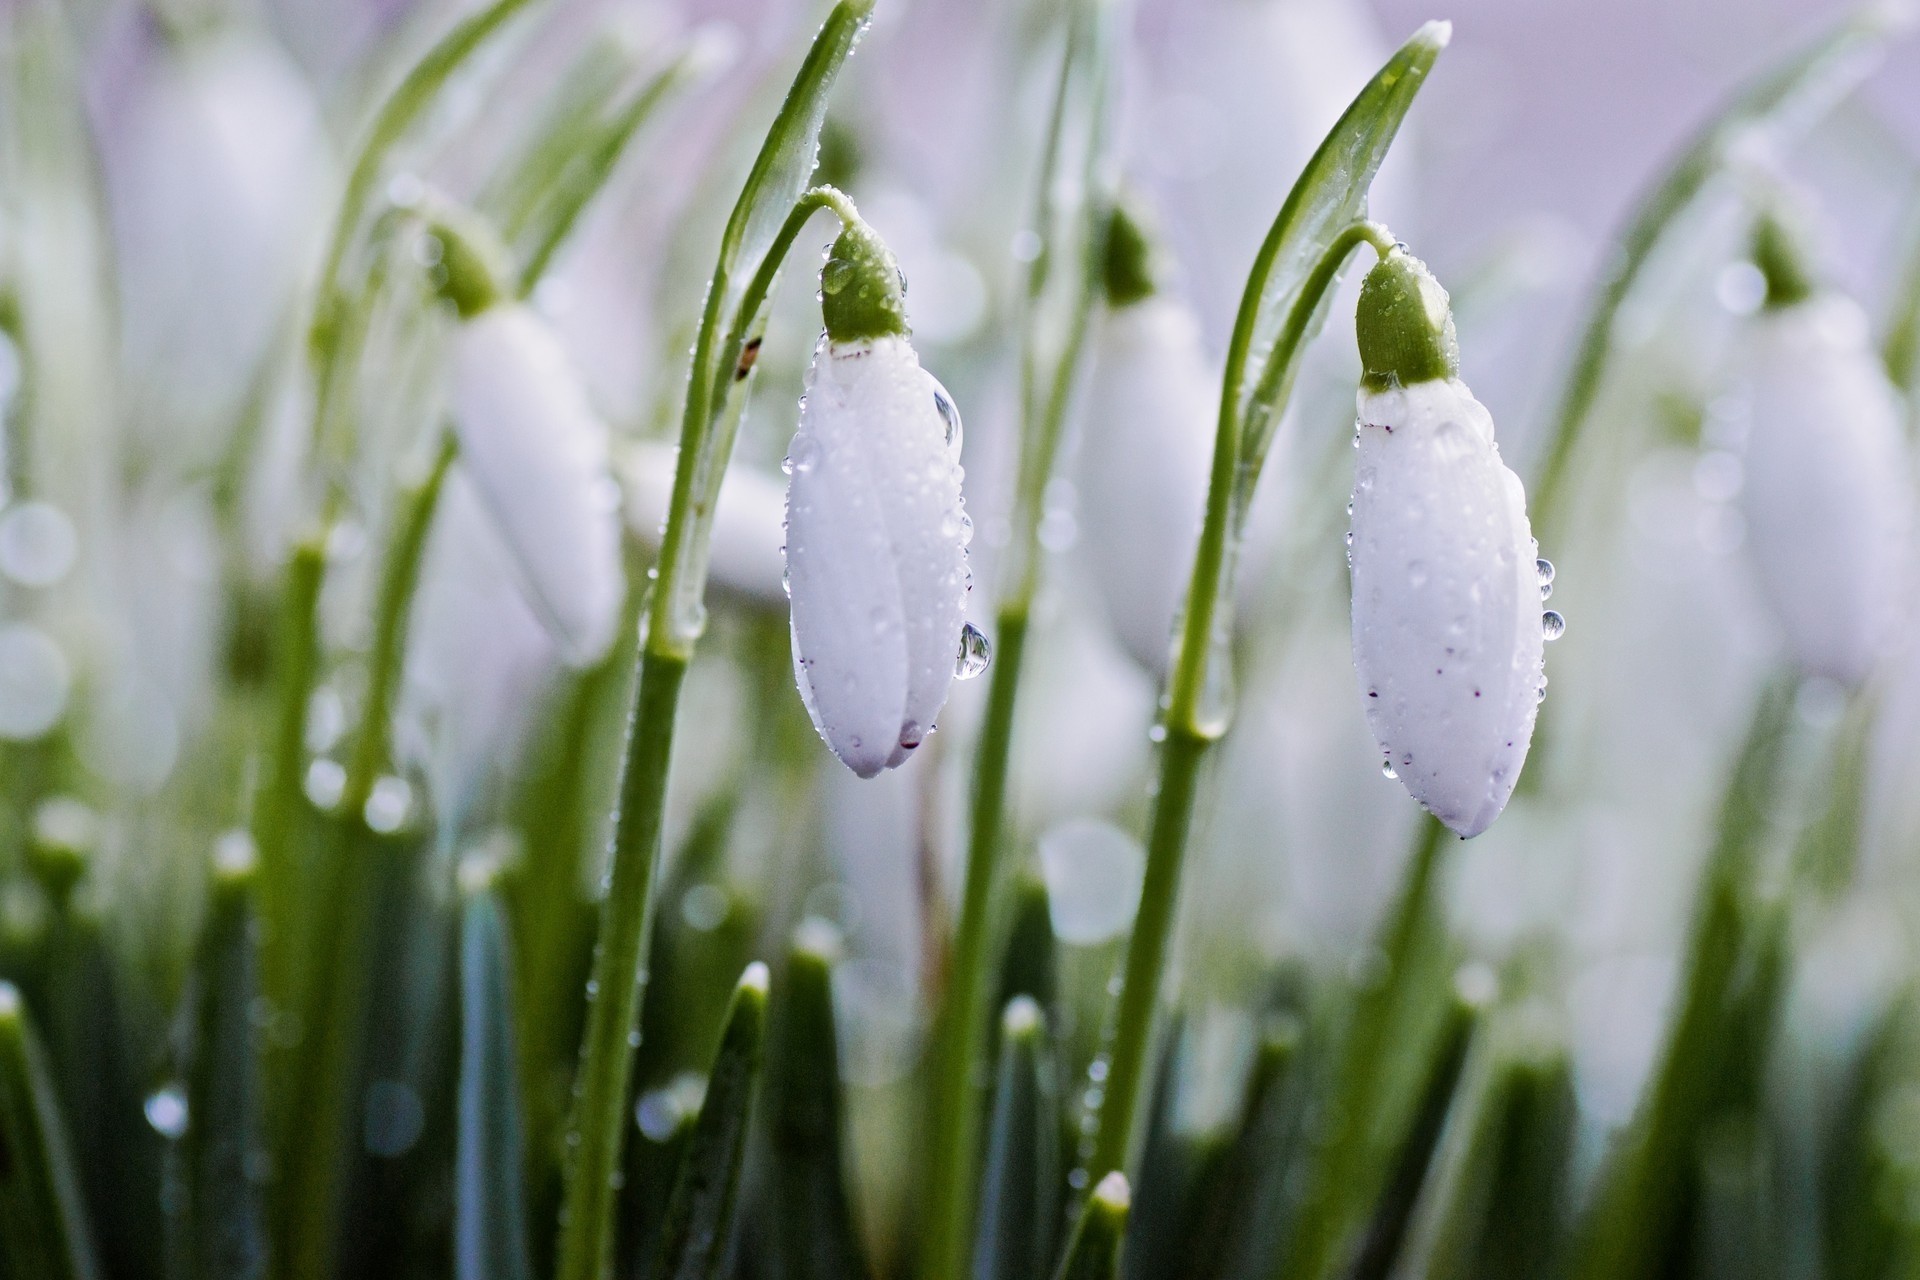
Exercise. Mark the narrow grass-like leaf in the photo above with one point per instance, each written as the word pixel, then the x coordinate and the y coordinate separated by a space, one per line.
pixel 756 237
pixel 1329 196
pixel 1636 1213
pixel 1508 1193
pixel 1785 99
pixel 43 1223
pixel 814 1235
pixel 1030 966
pixel 1378 1070
pixel 225 1207
pixel 1019 1188
pixel 1094 1251
pixel 1380 1246
pixel 490 1212
pixel 1249 1208
pixel 1829 849
pixel 1900 349
pixel 1867 1174
pixel 699 1221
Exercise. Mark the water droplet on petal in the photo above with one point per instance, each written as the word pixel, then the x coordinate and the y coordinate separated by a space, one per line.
pixel 802 452
pixel 974 654
pixel 949 414
pixel 1386 769
pixel 1552 625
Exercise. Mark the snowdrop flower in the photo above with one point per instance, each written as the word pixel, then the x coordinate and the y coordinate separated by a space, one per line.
pixel 537 457
pixel 876 532
pixel 1147 452
pixel 1828 482
pixel 1447 626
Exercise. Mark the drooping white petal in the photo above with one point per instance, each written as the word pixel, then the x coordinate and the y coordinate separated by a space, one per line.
pixel 1446 600
pixel 744 556
pixel 477 656
pixel 1145 454
pixel 876 554
pixel 537 457
pixel 1828 491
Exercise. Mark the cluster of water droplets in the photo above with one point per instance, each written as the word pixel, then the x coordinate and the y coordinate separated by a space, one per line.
pixel 1552 624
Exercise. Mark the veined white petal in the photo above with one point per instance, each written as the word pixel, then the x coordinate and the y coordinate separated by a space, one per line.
pixel 477 656
pixel 1144 461
pixel 876 557
pixel 1828 492
pixel 1446 600
pixel 537 456
pixel 744 556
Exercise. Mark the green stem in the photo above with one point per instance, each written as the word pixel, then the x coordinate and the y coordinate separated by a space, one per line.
pixel 1901 350
pixel 955 1115
pixel 1191 724
pixel 614 991
pixel 340 972
pixel 1181 756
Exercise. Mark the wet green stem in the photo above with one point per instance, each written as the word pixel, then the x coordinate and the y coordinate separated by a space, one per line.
pixel 1192 722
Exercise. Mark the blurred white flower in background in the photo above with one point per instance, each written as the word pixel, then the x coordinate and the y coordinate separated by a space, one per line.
pixel 537 457
pixel 747 517
pixel 217 174
pixel 1145 453
pixel 1828 486
pixel 478 656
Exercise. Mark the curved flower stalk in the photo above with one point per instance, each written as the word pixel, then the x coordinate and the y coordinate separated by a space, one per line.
pixel 1143 463
pixel 537 457
pixel 876 527
pixel 1828 490
pixel 1447 627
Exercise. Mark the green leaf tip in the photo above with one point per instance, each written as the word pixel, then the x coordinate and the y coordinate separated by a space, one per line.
pixel 817 940
pixel 863 295
pixel 1130 266
pixel 1782 253
pixel 1435 34
pixel 755 981
pixel 1405 325
pixel 471 264
pixel 1114 1193
pixel 1022 1019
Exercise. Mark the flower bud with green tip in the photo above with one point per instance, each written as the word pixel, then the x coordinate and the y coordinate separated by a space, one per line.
pixel 876 527
pixel 1827 477
pixel 1147 447
pixel 1447 625
pixel 532 446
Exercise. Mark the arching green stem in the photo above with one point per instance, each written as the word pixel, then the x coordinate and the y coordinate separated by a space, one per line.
pixel 1191 724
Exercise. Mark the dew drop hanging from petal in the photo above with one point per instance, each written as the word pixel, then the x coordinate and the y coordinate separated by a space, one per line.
pixel 1552 625
pixel 974 655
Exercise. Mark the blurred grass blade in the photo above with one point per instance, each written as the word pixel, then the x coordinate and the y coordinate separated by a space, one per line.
pixel 1636 1214
pixel 1329 195
pixel 698 1231
pixel 1379 1248
pixel 1785 100
pixel 1397 1013
pixel 1505 1215
pixel 1019 1190
pixel 43 1224
pixel 1829 850
pixel 1738 1234
pixel 814 1235
pixel 1094 1251
pixel 490 1212
pixel 1900 350
pixel 225 1136
pixel 1245 1216
pixel 1868 1177
pixel 595 154
pixel 1030 964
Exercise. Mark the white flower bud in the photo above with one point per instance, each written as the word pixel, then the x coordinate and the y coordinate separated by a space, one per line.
pixel 1447 634
pixel 876 549
pixel 1144 461
pixel 537 457
pixel 1828 486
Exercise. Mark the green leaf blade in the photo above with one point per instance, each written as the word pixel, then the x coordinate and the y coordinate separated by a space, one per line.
pixel 1014 1231
pixel 699 1219
pixel 43 1221
pixel 490 1222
